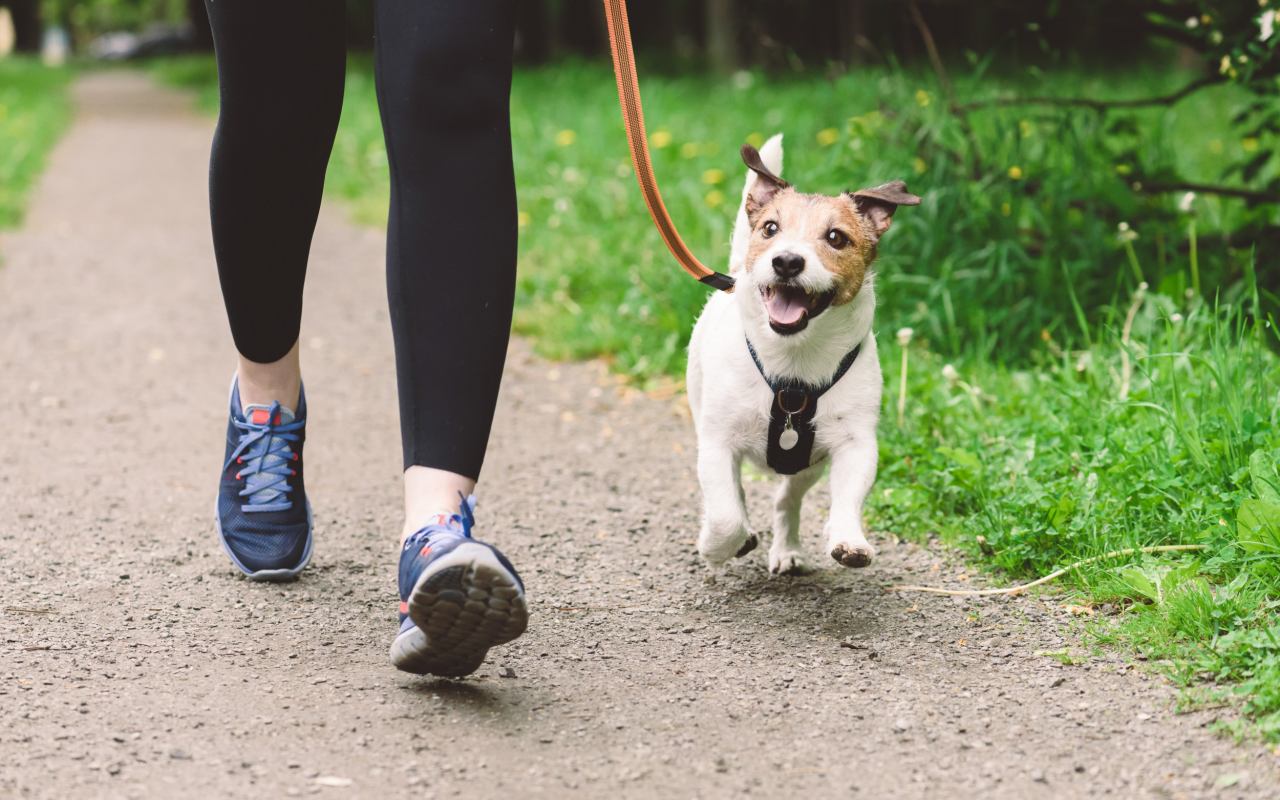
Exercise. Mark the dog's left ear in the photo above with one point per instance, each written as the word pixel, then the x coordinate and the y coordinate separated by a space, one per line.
pixel 766 184
pixel 879 202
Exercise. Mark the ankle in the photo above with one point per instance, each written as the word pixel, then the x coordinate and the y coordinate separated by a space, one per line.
pixel 430 492
pixel 278 381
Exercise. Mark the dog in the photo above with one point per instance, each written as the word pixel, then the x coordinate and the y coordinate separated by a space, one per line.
pixel 796 330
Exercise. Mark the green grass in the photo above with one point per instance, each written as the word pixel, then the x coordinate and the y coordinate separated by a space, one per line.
pixel 1035 468
pixel 1024 453
pixel 34 111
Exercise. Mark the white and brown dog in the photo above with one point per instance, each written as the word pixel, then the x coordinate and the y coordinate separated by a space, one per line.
pixel 796 330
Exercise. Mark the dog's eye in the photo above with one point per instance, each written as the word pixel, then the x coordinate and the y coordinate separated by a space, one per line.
pixel 837 239
pixel 770 229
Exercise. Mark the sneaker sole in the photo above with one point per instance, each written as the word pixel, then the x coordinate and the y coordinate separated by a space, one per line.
pixel 267 575
pixel 462 605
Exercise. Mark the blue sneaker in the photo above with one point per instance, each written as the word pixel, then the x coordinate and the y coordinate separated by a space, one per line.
pixel 263 517
pixel 458 598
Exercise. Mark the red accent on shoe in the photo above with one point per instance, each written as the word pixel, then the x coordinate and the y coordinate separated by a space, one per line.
pixel 404 607
pixel 426 548
pixel 260 416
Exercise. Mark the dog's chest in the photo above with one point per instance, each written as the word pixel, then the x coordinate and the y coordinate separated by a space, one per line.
pixel 749 425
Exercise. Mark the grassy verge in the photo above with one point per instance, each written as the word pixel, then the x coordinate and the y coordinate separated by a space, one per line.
pixel 34 111
pixel 1019 441
pixel 1036 468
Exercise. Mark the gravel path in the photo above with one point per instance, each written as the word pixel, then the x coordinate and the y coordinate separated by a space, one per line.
pixel 136 663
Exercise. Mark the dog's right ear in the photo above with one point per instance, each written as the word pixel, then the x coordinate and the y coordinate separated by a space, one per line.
pixel 765 186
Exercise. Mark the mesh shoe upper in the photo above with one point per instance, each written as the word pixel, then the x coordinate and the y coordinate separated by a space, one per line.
pixel 262 503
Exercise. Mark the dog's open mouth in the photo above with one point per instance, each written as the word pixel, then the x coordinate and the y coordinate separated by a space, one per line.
pixel 790 307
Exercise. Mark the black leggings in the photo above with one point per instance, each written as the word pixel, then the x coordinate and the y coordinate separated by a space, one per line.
pixel 444 82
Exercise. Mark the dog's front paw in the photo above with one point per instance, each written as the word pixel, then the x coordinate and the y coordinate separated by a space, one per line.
pixel 788 562
pixel 719 543
pixel 853 555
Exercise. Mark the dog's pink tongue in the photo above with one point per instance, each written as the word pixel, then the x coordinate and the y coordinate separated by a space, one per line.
pixel 786 308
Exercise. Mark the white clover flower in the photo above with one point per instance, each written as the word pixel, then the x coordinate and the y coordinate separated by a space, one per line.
pixel 904 336
pixel 1124 233
pixel 1266 25
pixel 1193 22
pixel 1215 37
pixel 1224 66
pixel 950 374
pixel 1187 201
pixel 1175 318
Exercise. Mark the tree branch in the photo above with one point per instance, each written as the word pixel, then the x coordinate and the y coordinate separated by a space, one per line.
pixel 1084 102
pixel 932 49
pixel 1252 195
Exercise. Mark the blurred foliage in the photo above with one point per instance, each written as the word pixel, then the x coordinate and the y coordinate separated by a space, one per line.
pixel 33 113
pixel 98 16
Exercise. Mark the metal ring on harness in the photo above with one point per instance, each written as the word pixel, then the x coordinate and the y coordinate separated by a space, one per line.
pixel 783 406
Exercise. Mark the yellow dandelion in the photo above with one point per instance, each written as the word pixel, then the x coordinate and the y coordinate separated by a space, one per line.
pixel 755 139
pixel 523 218
pixel 660 138
pixel 689 150
pixel 713 176
pixel 1123 169
pixel 566 137
pixel 918 165
pixel 1249 143
pixel 1015 172
pixel 923 98
pixel 828 136
pixel 1224 66
pixel 714 198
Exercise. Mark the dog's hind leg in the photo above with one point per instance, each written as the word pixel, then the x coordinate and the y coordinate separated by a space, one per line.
pixel 724 518
pixel 785 554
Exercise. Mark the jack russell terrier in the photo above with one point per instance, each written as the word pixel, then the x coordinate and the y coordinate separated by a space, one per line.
pixel 784 370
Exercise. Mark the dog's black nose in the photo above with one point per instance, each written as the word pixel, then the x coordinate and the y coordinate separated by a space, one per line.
pixel 788 265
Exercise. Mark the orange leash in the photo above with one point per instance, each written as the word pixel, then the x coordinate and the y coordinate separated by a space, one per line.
pixel 624 68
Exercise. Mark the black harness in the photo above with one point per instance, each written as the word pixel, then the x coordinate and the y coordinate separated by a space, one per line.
pixel 795 404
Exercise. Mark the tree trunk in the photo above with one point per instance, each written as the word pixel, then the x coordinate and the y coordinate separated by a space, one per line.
pixel 722 36
pixel 26 25
pixel 854 40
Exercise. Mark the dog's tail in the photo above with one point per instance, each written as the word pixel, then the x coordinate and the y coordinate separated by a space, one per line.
pixel 771 155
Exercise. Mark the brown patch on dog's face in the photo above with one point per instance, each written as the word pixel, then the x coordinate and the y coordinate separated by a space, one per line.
pixel 842 237
pixel 818 248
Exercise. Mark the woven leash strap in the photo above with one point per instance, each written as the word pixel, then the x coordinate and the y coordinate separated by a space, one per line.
pixel 624 69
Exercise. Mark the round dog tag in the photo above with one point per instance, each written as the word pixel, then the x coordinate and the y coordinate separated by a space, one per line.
pixel 788 438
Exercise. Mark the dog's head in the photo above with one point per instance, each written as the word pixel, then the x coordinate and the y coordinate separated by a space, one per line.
pixel 805 253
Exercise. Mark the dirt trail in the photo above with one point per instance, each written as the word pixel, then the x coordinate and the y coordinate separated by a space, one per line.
pixel 134 662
